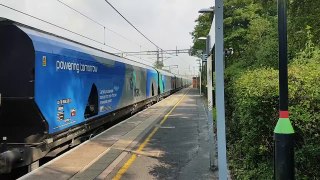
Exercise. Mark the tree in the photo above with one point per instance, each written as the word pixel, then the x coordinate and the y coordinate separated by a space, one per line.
pixel 201 29
pixel 237 18
pixel 250 28
pixel 303 14
pixel 158 64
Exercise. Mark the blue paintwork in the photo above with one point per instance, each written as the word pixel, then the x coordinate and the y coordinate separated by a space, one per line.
pixel 53 83
pixel 152 78
pixel 65 73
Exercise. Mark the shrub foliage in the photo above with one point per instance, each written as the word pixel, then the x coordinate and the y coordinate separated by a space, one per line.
pixel 254 105
pixel 252 84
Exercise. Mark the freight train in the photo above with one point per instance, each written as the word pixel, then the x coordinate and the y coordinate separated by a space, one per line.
pixel 54 91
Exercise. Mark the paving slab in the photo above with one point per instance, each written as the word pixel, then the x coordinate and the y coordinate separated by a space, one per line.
pixel 178 150
pixel 91 158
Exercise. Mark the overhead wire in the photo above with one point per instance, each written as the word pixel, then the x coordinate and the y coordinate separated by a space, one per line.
pixel 132 24
pixel 86 37
pixel 67 30
pixel 135 27
pixel 80 13
pixel 142 59
pixel 91 39
pixel 115 31
pixel 86 16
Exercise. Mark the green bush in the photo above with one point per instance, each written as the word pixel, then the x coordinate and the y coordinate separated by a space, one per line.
pixel 252 112
pixel 305 114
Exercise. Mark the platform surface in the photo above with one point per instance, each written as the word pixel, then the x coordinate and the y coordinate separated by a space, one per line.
pixel 169 140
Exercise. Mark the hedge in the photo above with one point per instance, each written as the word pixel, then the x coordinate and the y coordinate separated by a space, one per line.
pixel 252 112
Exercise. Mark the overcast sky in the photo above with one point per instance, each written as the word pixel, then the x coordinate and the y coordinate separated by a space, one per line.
pixel 167 23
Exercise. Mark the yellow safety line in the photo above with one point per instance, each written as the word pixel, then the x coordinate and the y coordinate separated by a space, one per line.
pixel 127 165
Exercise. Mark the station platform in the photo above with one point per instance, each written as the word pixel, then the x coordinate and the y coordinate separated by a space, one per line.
pixel 168 140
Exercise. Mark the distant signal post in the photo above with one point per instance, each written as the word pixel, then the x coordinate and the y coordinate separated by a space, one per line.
pixel 283 132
